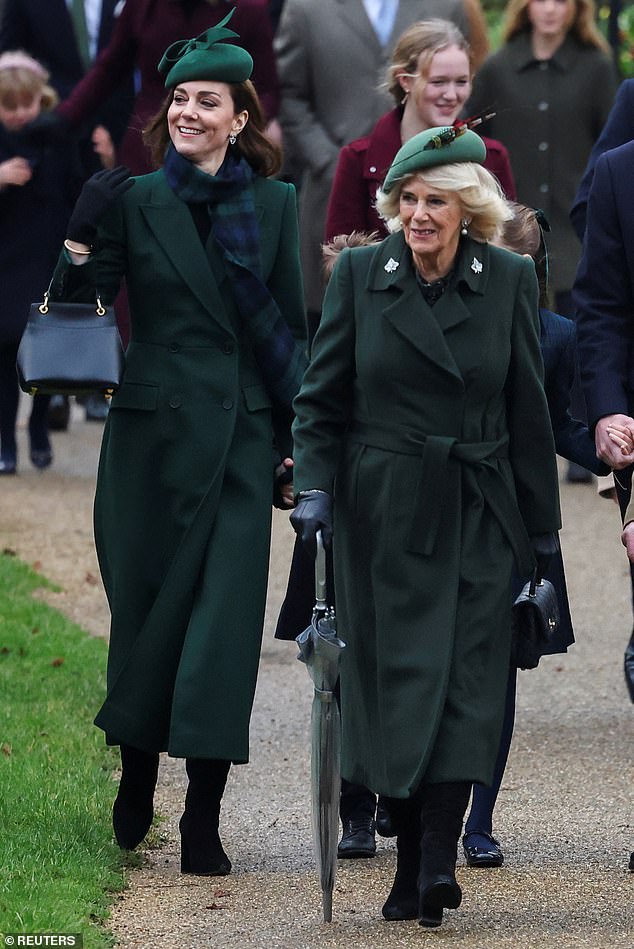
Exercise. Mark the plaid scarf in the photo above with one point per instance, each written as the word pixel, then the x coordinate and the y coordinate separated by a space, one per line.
pixel 229 199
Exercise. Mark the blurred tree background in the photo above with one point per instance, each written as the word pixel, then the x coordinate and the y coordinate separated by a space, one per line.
pixel 616 19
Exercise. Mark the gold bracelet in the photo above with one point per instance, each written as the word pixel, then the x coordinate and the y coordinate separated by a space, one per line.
pixel 73 250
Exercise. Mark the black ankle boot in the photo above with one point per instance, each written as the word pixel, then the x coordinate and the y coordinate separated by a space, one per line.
pixel 443 809
pixel 402 902
pixel 133 809
pixel 201 848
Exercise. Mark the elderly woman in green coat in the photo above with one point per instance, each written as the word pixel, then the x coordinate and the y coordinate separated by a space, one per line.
pixel 208 246
pixel 423 445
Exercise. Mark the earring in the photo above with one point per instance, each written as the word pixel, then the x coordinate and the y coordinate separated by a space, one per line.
pixel 233 138
pixel 463 227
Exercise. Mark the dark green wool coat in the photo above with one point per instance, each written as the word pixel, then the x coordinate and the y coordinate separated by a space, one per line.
pixel 185 481
pixel 432 426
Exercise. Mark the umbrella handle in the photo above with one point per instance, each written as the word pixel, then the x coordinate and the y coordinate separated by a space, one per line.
pixel 320 574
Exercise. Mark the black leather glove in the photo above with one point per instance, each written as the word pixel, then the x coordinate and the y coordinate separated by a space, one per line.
pixel 544 546
pixel 313 513
pixel 95 198
pixel 48 128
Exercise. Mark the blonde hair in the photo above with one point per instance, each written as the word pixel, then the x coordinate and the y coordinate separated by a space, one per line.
pixel 22 77
pixel 481 197
pixel 583 26
pixel 423 39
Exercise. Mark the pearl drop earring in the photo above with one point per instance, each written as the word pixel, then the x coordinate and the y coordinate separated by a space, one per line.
pixel 463 229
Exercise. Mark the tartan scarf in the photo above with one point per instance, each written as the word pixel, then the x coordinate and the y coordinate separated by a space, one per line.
pixel 229 199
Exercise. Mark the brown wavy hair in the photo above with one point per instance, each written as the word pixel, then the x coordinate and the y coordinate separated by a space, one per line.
pixel 583 26
pixel 264 156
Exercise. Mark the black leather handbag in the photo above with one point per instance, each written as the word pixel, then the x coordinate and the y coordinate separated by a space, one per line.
pixel 535 620
pixel 70 348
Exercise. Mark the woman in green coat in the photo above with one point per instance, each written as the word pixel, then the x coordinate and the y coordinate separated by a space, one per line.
pixel 423 430
pixel 209 249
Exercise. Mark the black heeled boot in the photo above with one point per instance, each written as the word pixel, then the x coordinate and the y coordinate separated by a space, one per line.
pixel 201 847
pixel 443 808
pixel 133 809
pixel 402 902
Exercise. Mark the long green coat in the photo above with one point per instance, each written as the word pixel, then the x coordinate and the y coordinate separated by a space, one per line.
pixel 185 482
pixel 432 425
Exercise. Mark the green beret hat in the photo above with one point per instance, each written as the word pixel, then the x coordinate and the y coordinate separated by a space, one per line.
pixel 436 146
pixel 206 57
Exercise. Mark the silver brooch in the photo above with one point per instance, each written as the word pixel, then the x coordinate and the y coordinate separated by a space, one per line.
pixel 476 266
pixel 391 265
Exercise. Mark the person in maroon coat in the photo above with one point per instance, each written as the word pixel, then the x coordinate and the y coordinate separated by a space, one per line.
pixel 143 31
pixel 430 80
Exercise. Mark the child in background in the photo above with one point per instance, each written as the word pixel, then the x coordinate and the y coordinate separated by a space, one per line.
pixel 38 187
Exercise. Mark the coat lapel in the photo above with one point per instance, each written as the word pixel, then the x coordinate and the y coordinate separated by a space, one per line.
pixel 173 228
pixel 353 12
pixel 410 316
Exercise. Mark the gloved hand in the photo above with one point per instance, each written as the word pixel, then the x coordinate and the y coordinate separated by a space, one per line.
pixel 313 513
pixel 95 198
pixel 283 485
pixel 543 547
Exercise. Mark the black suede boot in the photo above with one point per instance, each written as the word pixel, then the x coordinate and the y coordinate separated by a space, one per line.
pixel 443 807
pixel 133 809
pixel 402 902
pixel 201 848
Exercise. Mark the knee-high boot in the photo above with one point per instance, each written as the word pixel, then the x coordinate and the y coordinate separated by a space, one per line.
pixel 201 848
pixel 402 902
pixel 442 811
pixel 133 809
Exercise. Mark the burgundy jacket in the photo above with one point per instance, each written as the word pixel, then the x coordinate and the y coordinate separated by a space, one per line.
pixel 362 167
pixel 143 32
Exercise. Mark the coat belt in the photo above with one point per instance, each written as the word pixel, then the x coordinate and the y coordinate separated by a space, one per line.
pixel 432 491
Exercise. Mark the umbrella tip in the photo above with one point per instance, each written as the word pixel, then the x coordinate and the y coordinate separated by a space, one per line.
pixel 327 905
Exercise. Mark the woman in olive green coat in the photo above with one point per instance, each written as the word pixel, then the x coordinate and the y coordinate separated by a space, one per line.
pixel 423 413
pixel 209 249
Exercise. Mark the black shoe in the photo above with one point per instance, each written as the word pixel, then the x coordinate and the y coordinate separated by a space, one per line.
pixel 482 849
pixel 7 465
pixel 402 902
pixel 202 852
pixel 441 893
pixel 133 809
pixel 41 459
pixel 357 839
pixel 384 827
pixel 58 413
pixel 576 474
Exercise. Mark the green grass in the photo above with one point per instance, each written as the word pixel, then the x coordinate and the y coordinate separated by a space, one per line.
pixel 59 865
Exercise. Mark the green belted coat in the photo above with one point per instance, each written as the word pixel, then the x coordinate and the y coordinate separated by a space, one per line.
pixel 431 425
pixel 185 481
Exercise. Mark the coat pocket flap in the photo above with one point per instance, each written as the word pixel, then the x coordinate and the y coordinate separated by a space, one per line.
pixel 136 395
pixel 256 397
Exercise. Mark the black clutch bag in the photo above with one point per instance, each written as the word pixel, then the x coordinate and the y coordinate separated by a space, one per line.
pixel 70 348
pixel 535 620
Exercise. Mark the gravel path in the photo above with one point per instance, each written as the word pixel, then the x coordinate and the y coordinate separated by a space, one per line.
pixel 564 815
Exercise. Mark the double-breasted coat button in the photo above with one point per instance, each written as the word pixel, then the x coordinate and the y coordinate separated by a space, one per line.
pixel 543 146
pixel 227 404
pixel 174 347
pixel 175 402
pixel 373 168
pixel 543 106
pixel 228 347
pixel 544 189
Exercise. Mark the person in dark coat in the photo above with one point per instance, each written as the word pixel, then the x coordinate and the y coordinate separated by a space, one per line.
pixel 38 186
pixel 45 29
pixel 429 77
pixel 423 445
pixel 551 85
pixel 523 234
pixel 143 30
pixel 605 310
pixel 618 129
pixel 208 246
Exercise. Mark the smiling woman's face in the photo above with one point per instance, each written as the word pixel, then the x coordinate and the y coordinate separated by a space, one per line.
pixel 431 222
pixel 200 119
